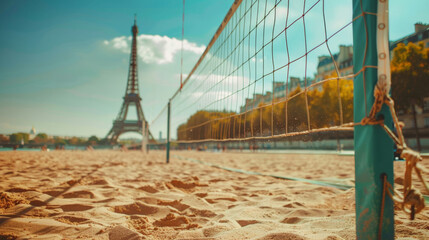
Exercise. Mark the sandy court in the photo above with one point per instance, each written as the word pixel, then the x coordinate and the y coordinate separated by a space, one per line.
pixel 131 195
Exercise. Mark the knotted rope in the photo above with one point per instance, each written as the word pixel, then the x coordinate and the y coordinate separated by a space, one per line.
pixel 411 200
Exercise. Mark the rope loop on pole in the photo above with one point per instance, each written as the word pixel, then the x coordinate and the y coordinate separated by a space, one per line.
pixel 411 200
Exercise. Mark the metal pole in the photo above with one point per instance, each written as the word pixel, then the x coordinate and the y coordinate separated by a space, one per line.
pixel 147 138
pixel 373 147
pixel 168 131
pixel 144 137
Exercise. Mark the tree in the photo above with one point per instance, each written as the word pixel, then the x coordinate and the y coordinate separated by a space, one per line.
pixel 410 75
pixel 13 138
pixel 206 124
pixel 181 132
pixel 17 138
pixel 325 105
pixel 76 141
pixel 3 138
pixel 296 111
pixel 41 138
pixel 93 140
pixel 60 141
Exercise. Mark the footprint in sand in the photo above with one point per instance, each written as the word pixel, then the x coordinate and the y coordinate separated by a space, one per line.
pixel 37 203
pixel 238 188
pixel 149 189
pixel 18 190
pixel 75 207
pixel 135 208
pixel 215 200
pixel 272 236
pixel 98 182
pixel 105 200
pixel 53 193
pixel 291 220
pixel 188 185
pixel 244 223
pixel 202 212
pixel 79 194
pixel 71 220
pixel 201 194
pixel 171 221
pixel 280 199
pixel 175 204
pixel 216 180
pixel 184 185
pixel 122 233
pixel 213 231
pixel 293 205
pixel 72 182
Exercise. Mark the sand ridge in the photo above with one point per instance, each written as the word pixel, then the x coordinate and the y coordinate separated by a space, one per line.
pixel 131 195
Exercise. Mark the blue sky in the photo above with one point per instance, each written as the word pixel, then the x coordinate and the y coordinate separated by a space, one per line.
pixel 61 72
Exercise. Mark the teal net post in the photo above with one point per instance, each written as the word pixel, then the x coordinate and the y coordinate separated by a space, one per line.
pixel 168 131
pixel 373 147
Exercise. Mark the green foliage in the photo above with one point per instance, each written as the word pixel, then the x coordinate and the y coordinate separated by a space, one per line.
pixel 16 138
pixel 204 124
pixel 93 140
pixel 76 141
pixel 410 75
pixel 60 141
pixel 41 138
pixel 325 105
pixel 104 141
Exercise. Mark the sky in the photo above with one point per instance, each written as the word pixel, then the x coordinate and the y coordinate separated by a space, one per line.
pixel 64 64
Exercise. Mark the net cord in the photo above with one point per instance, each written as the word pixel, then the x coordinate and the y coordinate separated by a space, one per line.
pixel 212 41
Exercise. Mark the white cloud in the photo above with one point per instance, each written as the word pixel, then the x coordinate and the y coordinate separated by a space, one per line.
pixel 118 43
pixel 155 48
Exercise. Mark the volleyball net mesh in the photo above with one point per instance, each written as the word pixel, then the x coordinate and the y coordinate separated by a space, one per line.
pixel 276 69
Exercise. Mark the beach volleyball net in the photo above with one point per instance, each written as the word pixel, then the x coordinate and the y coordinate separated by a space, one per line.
pixel 274 69
pixel 267 74
pixel 305 69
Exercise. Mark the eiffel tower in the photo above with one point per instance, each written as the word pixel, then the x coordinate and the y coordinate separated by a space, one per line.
pixel 132 98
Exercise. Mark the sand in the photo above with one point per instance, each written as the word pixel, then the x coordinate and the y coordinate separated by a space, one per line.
pixel 131 195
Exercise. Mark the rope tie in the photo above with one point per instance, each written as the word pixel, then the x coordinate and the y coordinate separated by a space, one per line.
pixel 412 203
pixel 369 121
pixel 380 98
pixel 411 200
